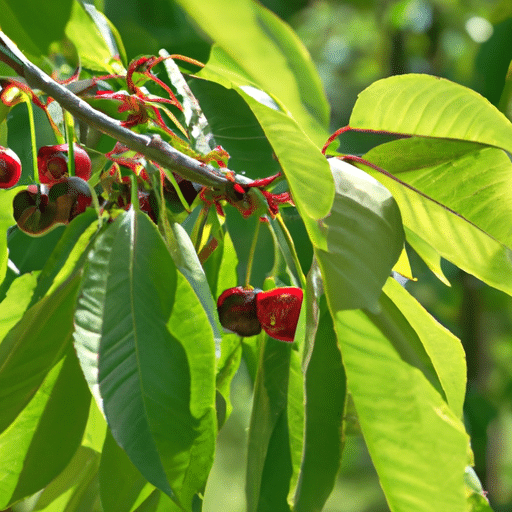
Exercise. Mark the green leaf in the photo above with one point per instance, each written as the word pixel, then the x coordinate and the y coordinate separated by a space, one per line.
pixel 38 445
pixel 121 484
pixel 432 107
pixel 236 128
pixel 265 52
pixel 147 350
pixel 16 302
pixel 276 430
pixel 325 390
pixel 32 347
pixel 269 459
pixel 186 260
pixel 76 488
pixel 480 175
pixel 34 27
pixel 199 130
pixel 363 240
pixel 92 36
pixel 443 348
pixel 443 232
pixel 408 427
pixel 67 252
pixel 6 220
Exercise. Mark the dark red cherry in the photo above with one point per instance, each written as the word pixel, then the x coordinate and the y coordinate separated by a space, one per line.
pixel 237 311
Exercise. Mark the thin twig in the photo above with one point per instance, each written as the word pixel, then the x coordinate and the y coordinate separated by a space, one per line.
pixel 153 148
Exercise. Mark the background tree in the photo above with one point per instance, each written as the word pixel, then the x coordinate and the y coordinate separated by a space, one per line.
pixel 181 178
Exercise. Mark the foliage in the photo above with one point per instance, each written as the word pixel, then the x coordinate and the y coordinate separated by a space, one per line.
pixel 204 178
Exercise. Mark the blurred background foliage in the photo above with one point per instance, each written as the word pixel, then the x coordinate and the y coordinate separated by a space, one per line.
pixel 353 43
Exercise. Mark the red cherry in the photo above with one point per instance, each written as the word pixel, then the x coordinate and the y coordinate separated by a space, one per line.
pixel 52 163
pixel 237 311
pixel 278 311
pixel 10 168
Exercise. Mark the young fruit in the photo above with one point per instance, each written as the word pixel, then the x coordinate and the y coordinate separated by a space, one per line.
pixel 278 311
pixel 10 168
pixel 71 196
pixel 52 163
pixel 237 311
pixel 33 213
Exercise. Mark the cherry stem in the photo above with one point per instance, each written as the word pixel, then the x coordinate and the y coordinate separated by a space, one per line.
pixel 70 134
pixel 251 255
pixel 32 128
pixel 134 192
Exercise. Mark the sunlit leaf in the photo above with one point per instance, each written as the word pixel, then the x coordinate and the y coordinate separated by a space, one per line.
pixel 263 50
pixel 430 106
pixel 443 348
pixel 408 427
pixel 38 445
pixel 480 175
pixel 443 232
pixel 32 347
pixel 16 302
pixel 95 43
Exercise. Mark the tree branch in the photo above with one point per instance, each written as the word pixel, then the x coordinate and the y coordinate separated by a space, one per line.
pixel 153 148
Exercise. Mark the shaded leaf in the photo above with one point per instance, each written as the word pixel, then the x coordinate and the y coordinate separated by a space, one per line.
pixel 325 390
pixel 363 240
pixel 147 351
pixel 121 484
pixel 237 129
pixel 34 29
pixel 76 487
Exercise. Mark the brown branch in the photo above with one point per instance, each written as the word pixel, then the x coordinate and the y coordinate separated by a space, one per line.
pixel 153 148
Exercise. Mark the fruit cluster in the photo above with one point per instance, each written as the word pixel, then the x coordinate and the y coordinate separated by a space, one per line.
pixel 247 311
pixel 59 198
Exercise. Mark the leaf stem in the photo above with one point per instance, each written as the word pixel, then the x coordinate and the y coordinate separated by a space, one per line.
pixel 293 251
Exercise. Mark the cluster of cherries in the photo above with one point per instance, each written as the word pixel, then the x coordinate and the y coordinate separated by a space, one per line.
pixel 59 199
pixel 246 311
